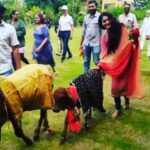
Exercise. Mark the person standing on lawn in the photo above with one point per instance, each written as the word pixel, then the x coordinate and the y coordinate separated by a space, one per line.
pixel 128 19
pixel 120 60
pixel 8 41
pixel 42 49
pixel 90 40
pixel 21 31
pixel 66 32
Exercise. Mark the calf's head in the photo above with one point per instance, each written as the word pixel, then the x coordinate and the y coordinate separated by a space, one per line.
pixel 62 100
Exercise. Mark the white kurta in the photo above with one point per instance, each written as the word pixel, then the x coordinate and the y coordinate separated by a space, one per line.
pixel 144 31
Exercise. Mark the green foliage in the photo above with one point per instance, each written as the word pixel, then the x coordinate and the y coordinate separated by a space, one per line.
pixel 53 9
pixel 57 3
pixel 81 18
pixel 148 4
pixel 29 18
pixel 53 4
pixel 74 9
pixel 14 6
pixel 41 3
pixel 50 13
pixel 116 11
pixel 141 4
pixel 140 14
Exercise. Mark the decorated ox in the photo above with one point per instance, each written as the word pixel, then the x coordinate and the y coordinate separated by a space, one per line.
pixel 27 89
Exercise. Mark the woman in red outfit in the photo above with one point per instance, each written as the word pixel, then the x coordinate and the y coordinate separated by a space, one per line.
pixel 120 60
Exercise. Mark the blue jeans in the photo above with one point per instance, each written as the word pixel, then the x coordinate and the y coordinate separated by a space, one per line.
pixel 65 36
pixel 87 56
pixel 7 73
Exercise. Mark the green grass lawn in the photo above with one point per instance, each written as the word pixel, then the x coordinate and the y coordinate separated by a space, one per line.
pixel 131 131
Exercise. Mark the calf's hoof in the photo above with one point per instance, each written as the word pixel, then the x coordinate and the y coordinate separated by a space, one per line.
pixel 62 141
pixel 89 116
pixel 127 106
pixel 36 137
pixel 51 131
pixel 36 134
pixel 102 110
pixel 29 142
pixel 45 126
pixel 87 126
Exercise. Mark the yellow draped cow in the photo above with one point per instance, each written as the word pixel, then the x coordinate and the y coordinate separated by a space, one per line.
pixel 27 89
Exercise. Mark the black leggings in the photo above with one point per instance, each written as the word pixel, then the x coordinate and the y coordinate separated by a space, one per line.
pixel 22 57
pixel 118 102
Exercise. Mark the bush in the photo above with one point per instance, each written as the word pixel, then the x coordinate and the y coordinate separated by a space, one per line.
pixel 81 18
pixel 140 14
pixel 14 6
pixel 116 11
pixel 29 16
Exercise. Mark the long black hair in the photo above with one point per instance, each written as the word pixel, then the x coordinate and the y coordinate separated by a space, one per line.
pixel 114 32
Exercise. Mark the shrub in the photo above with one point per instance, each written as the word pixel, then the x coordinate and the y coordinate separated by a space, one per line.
pixel 140 14
pixel 116 11
pixel 14 6
pixel 29 16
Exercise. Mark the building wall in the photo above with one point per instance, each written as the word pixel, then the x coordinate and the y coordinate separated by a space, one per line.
pixel 114 3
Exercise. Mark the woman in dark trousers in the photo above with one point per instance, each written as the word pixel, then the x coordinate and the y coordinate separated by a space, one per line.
pixel 120 60
pixel 21 32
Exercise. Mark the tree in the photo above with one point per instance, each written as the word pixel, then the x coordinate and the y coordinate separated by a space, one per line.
pixel 54 4
pixel 57 3
pixel 31 3
pixel 140 4
pixel 148 4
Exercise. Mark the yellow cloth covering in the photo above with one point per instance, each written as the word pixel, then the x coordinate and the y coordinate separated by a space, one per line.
pixel 28 88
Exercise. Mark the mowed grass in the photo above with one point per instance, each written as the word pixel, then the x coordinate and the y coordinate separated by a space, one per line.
pixel 131 131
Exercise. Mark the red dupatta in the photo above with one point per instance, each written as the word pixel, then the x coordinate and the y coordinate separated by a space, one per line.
pixel 123 67
pixel 73 116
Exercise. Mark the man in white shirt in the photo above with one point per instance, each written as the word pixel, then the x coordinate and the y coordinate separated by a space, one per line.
pixel 128 19
pixel 8 40
pixel 66 31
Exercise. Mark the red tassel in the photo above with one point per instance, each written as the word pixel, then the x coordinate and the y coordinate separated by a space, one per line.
pixel 73 121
